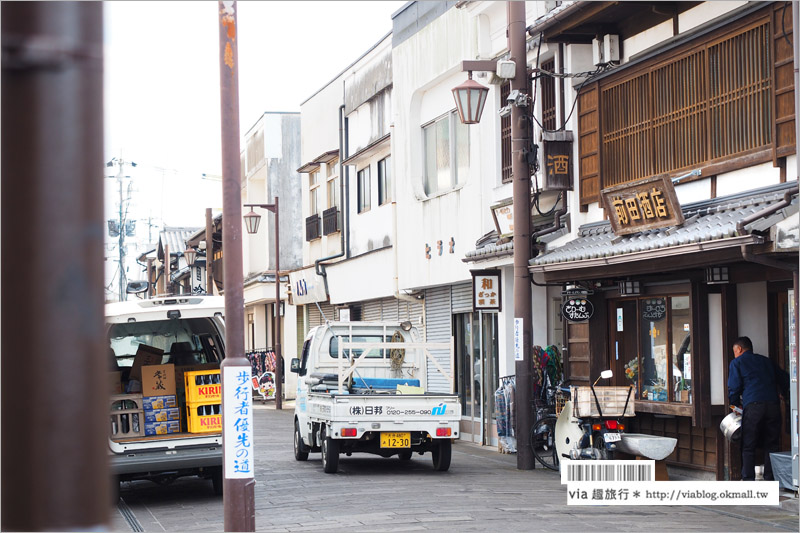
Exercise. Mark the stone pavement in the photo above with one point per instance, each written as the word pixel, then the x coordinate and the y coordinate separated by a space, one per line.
pixel 483 491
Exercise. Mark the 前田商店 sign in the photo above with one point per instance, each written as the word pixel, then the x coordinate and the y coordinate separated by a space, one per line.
pixel 642 205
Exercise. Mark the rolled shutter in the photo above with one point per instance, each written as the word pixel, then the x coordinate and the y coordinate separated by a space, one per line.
pixel 438 316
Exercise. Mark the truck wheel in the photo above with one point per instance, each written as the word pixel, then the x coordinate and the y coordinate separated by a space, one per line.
pixel 330 453
pixel 404 456
pixel 441 455
pixel 217 482
pixel 300 449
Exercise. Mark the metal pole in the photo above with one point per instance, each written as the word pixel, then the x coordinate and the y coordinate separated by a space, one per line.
pixel 520 144
pixel 209 252
pixel 55 473
pixel 238 489
pixel 121 237
pixel 795 394
pixel 277 332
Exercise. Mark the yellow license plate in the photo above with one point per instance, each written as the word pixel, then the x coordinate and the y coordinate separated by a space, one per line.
pixel 395 440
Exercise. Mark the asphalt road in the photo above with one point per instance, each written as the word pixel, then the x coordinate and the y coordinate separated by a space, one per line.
pixel 482 491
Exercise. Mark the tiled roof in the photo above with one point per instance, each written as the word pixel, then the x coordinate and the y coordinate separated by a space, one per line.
pixel 710 220
pixel 176 238
pixel 489 246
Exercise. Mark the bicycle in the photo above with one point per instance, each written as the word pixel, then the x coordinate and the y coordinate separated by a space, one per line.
pixel 543 431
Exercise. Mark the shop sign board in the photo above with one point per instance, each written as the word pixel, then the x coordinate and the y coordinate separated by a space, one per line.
pixel 577 309
pixel 557 165
pixel 486 290
pixel 654 309
pixel 642 205
pixel 307 287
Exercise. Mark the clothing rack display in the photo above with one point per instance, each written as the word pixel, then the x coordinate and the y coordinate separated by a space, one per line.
pixel 261 360
pixel 506 414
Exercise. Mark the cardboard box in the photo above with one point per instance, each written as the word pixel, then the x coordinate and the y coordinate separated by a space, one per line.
pixel 159 402
pixel 162 415
pixel 145 355
pixel 158 380
pixel 162 428
pixel 115 382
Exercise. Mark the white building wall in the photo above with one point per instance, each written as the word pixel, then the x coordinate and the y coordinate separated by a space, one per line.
pixel 751 303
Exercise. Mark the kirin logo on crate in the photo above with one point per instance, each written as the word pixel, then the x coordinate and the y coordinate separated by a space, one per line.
pixel 203 386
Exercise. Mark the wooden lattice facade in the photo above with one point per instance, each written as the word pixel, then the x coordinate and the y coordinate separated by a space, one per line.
pixel 717 103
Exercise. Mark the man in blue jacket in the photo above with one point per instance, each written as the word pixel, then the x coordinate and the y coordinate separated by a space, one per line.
pixel 753 382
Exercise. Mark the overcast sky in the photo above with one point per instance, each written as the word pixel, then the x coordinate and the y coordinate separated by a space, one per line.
pixel 162 107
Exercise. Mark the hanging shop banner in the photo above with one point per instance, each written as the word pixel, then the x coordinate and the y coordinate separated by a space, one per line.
pixel 642 205
pixel 577 309
pixel 307 287
pixel 486 290
pixel 654 309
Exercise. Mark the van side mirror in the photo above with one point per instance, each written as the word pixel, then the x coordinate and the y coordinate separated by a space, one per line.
pixel 295 365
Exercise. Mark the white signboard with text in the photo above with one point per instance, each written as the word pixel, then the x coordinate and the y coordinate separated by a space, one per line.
pixel 237 423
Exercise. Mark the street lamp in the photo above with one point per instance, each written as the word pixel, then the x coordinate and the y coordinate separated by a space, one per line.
pixel 470 103
pixel 251 222
pixel 470 99
pixel 190 255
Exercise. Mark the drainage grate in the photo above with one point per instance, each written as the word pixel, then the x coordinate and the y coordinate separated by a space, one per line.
pixel 128 515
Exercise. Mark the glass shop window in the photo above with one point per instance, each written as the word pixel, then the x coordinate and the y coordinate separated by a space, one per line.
pixel 665 369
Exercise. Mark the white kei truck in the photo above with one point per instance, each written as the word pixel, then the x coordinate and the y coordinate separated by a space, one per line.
pixel 186 331
pixel 362 387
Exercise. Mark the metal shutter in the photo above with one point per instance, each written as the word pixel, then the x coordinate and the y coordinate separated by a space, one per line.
pixel 389 312
pixel 462 298
pixel 371 311
pixel 314 316
pixel 438 316
pixel 301 328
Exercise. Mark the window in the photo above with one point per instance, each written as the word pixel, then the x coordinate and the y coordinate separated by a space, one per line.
pixel 197 335
pixel 313 193
pixel 549 96
pixel 446 162
pixel 375 353
pixel 363 190
pixel 505 136
pixel 663 372
pixel 333 185
pixel 384 181
pixel 711 102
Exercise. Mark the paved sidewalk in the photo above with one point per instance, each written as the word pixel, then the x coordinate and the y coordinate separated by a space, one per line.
pixel 483 491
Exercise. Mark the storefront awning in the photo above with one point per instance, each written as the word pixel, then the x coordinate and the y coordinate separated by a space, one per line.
pixel 708 236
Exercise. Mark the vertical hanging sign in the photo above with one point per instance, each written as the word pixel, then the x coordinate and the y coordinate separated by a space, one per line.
pixel 486 294
pixel 518 339
pixel 237 422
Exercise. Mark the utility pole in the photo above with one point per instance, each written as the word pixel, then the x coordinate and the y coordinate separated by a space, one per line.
pixel 122 218
pixel 237 400
pixel 521 191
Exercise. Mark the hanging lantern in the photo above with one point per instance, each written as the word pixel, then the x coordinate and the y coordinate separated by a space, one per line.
pixel 251 221
pixel 470 98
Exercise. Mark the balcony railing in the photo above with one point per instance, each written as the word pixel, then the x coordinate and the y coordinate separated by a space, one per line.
pixel 330 220
pixel 312 228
